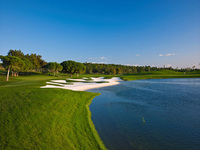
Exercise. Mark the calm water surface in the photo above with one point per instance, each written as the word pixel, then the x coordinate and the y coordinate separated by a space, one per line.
pixel 161 114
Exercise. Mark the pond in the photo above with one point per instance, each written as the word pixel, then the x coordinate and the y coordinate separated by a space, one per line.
pixel 149 114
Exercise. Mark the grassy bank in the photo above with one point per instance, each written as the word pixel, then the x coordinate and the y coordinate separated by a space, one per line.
pixel 164 74
pixel 34 118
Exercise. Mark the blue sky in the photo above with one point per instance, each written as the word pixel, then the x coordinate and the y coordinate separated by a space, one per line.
pixel 140 32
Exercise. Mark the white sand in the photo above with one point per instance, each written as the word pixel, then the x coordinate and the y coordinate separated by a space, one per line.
pixel 80 86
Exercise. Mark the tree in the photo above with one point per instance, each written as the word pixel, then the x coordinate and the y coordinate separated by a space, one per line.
pixel 53 67
pixel 36 60
pixel 12 63
pixel 147 68
pixel 79 68
pixel 59 67
pixel 113 71
pixel 28 65
pixel 72 67
pixel 119 70
pixel 69 67
pixel 17 53
pixel 134 70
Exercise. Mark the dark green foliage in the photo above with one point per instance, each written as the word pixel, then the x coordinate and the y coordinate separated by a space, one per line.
pixel 17 53
pixel 1 67
pixel 12 63
pixel 72 67
pixel 36 60
pixel 112 69
pixel 28 65
pixel 53 67
pixel 17 62
pixel 80 68
pixel 69 67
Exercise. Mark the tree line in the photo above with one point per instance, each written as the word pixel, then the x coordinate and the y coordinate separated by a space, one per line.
pixel 113 69
pixel 16 61
pixel 70 67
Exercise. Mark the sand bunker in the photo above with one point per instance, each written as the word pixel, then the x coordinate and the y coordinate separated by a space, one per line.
pixel 82 84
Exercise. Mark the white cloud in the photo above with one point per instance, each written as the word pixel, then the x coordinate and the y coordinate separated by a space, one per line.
pixel 96 58
pixel 168 65
pixel 102 62
pixel 137 55
pixel 170 54
pixel 131 64
pixel 127 64
pixel 99 62
pixel 101 58
pixel 92 58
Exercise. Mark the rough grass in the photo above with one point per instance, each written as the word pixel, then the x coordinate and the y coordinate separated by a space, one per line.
pixel 35 118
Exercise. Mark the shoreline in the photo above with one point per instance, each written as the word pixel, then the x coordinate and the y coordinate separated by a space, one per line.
pixel 92 126
pixel 79 85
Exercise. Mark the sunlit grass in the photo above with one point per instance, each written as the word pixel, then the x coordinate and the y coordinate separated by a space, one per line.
pixel 164 74
pixel 35 118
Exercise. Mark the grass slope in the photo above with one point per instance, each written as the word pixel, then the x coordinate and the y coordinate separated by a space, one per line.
pixel 35 118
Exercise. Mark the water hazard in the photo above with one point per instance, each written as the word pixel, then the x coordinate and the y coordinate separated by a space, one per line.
pixel 153 114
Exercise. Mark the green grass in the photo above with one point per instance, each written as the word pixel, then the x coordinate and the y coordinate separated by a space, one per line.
pixel 35 118
pixel 73 81
pixel 94 75
pixel 103 82
pixel 89 81
pixel 68 83
pixel 55 84
pixel 164 74
pixel 92 81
